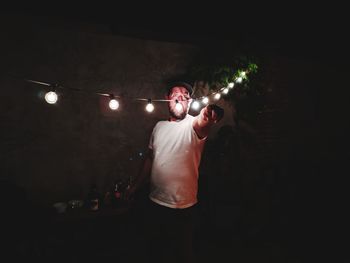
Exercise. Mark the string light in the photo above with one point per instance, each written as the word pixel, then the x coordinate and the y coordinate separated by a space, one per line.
pixel 178 106
pixel 51 96
pixel 113 103
pixel 149 106
pixel 195 105
pixel 205 100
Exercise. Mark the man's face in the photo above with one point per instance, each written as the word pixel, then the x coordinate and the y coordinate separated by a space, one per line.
pixel 182 96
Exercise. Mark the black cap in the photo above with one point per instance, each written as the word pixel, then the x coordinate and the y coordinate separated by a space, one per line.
pixel 180 84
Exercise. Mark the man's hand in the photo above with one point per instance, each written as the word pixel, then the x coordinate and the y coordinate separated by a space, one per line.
pixel 207 117
pixel 212 113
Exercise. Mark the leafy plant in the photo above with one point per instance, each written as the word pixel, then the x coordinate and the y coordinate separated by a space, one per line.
pixel 219 72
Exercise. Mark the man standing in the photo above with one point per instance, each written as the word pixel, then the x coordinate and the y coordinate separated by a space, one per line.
pixel 172 163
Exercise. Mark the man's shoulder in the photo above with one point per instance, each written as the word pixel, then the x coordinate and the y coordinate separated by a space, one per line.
pixel 159 124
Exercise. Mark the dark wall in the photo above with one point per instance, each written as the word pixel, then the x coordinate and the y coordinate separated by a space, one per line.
pixel 56 151
pixel 263 176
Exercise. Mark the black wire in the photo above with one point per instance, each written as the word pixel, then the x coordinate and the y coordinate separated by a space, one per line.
pixel 111 95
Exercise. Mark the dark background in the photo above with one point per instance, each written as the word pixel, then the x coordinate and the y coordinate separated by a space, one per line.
pixel 296 198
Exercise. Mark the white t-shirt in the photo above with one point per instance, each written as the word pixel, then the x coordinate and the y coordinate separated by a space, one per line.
pixel 176 157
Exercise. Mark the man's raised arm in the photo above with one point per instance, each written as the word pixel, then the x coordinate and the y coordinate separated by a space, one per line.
pixel 208 116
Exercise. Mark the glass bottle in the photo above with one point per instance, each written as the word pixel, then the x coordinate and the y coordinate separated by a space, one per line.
pixel 93 198
pixel 117 192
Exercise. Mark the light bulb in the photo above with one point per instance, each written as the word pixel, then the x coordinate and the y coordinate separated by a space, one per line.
pixel 205 100
pixel 225 91
pixel 114 104
pixel 149 107
pixel 243 74
pixel 217 96
pixel 231 85
pixel 51 97
pixel 178 106
pixel 239 79
pixel 195 105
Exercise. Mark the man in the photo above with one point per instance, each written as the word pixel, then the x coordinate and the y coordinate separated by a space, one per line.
pixel 172 162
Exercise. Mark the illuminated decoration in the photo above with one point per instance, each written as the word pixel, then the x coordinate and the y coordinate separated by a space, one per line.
pixel 51 97
pixel 205 100
pixel 149 106
pixel 226 83
pixel 178 106
pixel 195 105
pixel 113 104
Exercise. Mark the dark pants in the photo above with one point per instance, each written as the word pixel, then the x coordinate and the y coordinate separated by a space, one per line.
pixel 169 233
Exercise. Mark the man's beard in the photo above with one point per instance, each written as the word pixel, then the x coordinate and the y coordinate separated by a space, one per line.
pixel 179 115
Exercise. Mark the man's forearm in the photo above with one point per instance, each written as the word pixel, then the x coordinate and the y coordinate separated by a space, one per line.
pixel 208 116
pixel 202 126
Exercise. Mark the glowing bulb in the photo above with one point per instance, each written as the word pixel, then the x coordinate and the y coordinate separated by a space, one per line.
pixel 149 107
pixel 205 100
pixel 51 97
pixel 114 104
pixel 195 105
pixel 231 85
pixel 225 91
pixel 178 106
pixel 243 74
pixel 217 96
pixel 239 79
